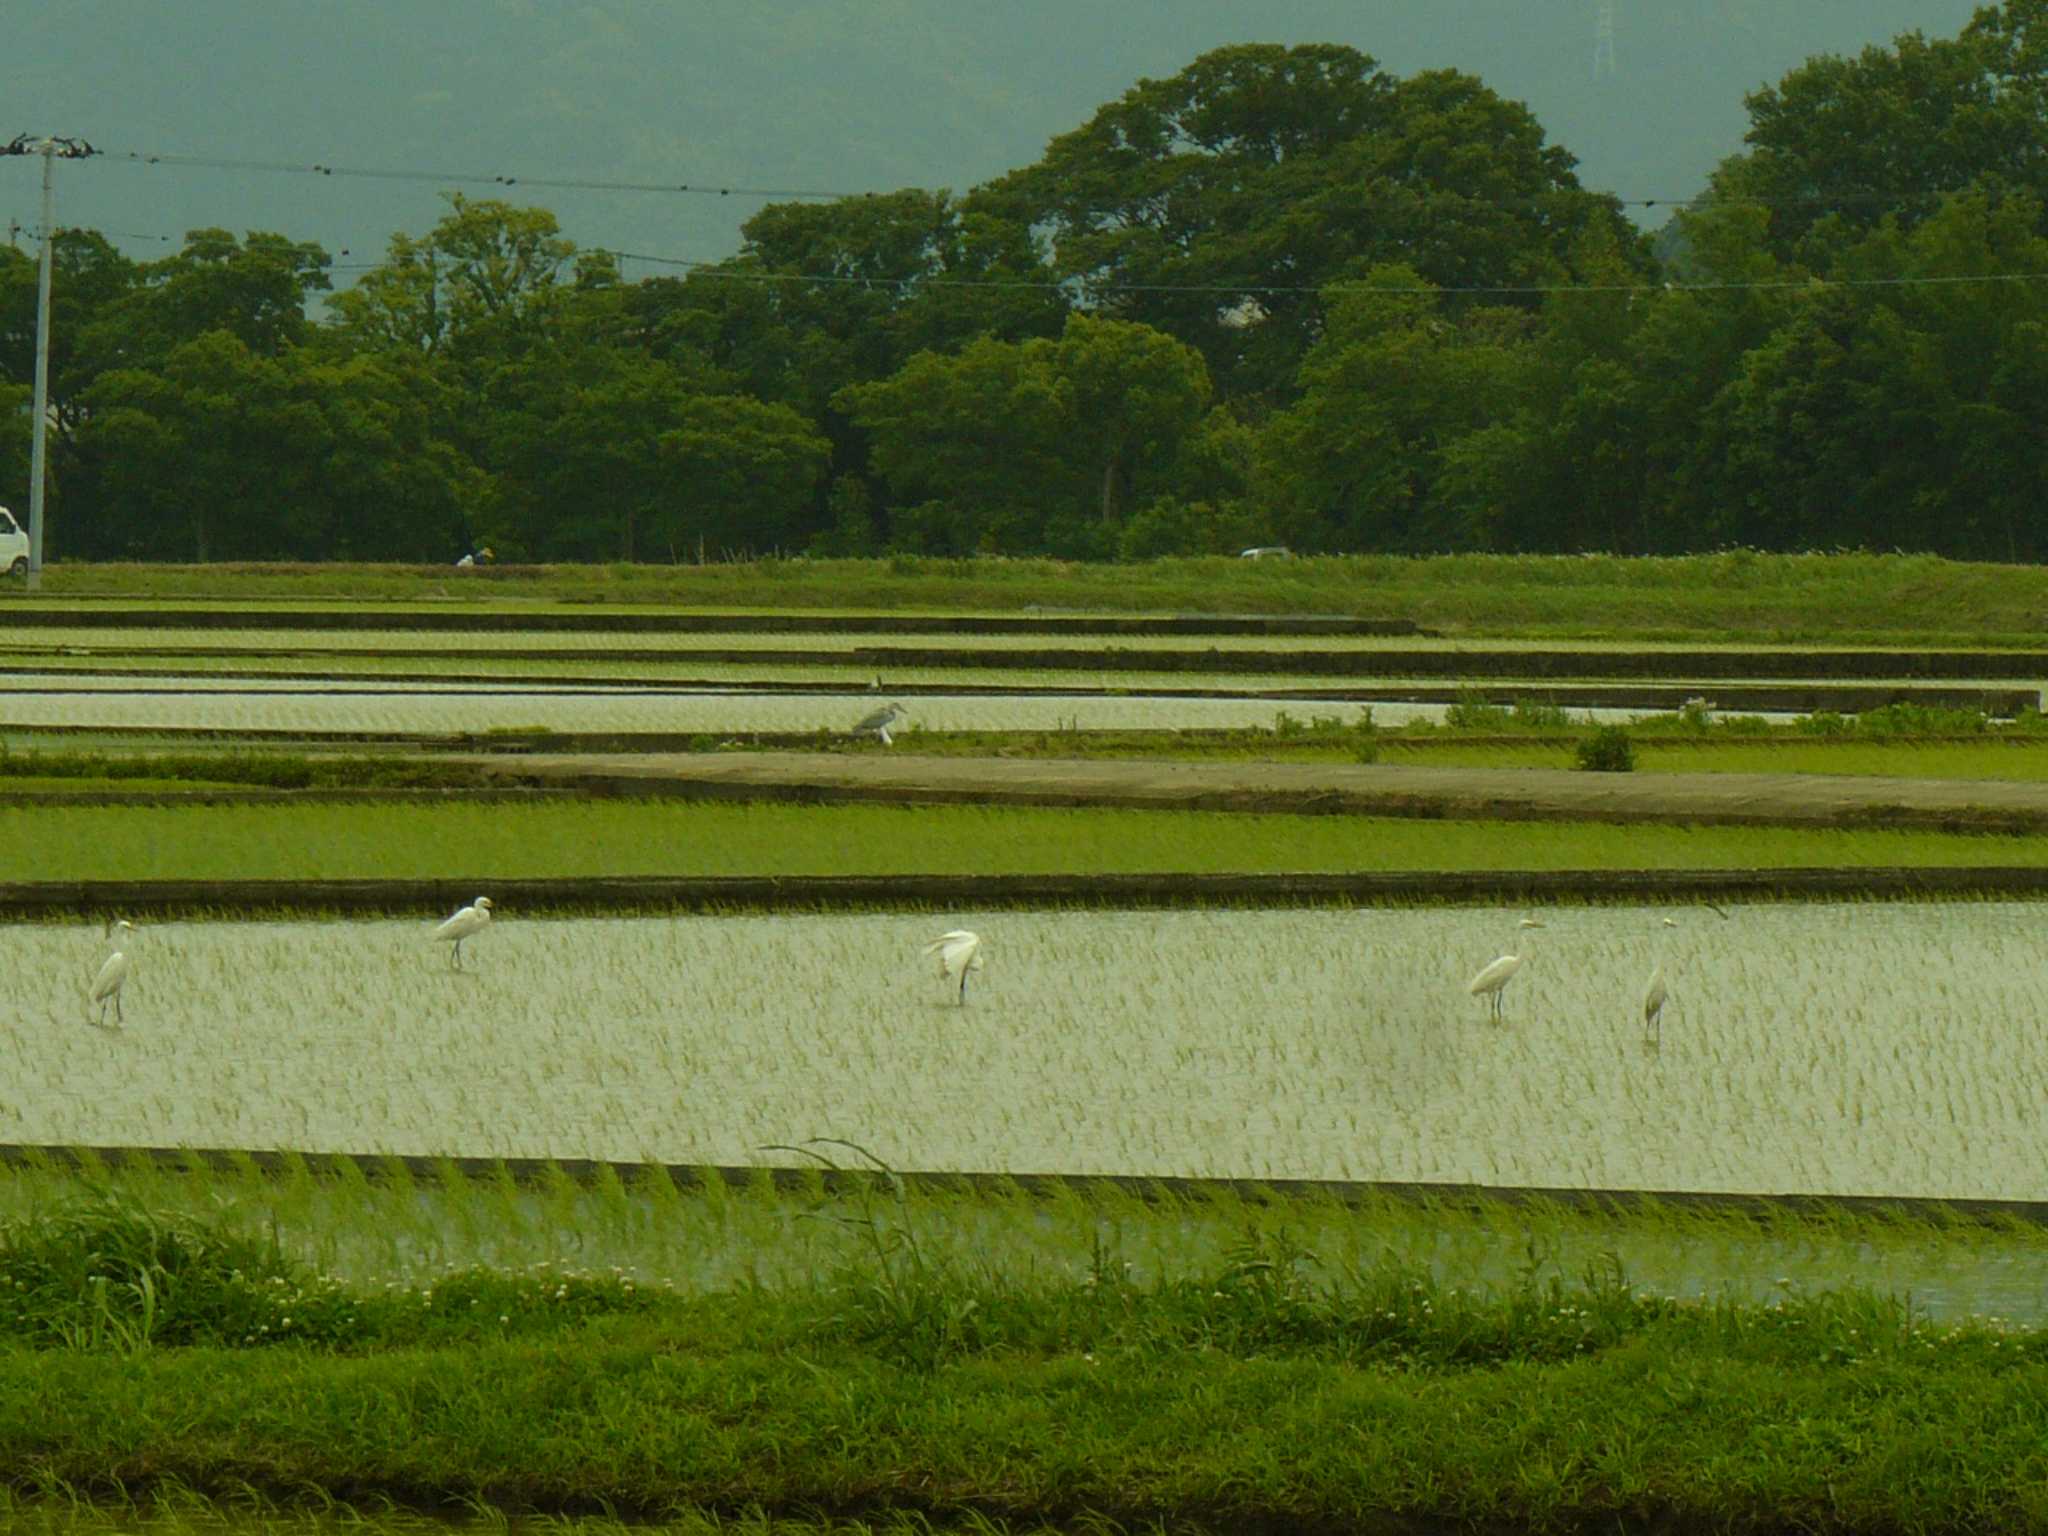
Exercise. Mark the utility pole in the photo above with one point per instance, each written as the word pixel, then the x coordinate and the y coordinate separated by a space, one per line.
pixel 1603 39
pixel 50 149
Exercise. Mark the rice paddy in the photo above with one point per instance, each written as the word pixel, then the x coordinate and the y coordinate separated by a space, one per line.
pixel 1304 1044
pixel 1816 1049
pixel 481 841
pixel 476 711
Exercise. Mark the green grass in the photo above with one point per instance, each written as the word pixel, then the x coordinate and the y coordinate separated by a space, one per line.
pixel 565 839
pixel 410 1228
pixel 1260 1389
pixel 1782 751
pixel 1899 599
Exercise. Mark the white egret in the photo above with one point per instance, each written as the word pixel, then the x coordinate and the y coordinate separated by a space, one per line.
pixel 879 722
pixel 1655 995
pixel 113 972
pixel 468 921
pixel 1493 980
pixel 959 951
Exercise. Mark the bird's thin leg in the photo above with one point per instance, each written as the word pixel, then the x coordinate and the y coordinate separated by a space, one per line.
pixel 455 956
pixel 963 986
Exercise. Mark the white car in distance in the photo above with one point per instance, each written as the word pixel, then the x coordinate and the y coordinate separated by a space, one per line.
pixel 13 545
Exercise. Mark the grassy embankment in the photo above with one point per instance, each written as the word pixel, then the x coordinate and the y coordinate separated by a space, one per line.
pixel 593 838
pixel 1260 1389
pixel 1862 599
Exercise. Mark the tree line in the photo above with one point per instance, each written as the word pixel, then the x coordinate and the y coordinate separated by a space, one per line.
pixel 1282 297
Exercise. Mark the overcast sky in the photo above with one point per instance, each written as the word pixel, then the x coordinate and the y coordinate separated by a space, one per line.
pixel 817 95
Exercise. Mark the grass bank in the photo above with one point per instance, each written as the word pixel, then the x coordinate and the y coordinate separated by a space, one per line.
pixel 594 838
pixel 372 1223
pixel 1875 599
pixel 146 1351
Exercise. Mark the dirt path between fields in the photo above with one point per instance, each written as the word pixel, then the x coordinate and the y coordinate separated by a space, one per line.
pixel 1508 794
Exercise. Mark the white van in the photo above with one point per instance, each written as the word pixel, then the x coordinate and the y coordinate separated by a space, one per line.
pixel 13 545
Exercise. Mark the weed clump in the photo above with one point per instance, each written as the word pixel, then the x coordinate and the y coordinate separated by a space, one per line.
pixel 1607 750
pixel 105 1274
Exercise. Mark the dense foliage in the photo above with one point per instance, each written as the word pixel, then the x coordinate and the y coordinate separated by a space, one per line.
pixel 1280 297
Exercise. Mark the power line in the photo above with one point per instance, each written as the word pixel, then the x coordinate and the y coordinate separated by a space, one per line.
pixel 493 178
pixel 814 194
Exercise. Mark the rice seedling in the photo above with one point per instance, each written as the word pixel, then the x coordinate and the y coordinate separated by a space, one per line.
pixel 1290 1044
pixel 597 837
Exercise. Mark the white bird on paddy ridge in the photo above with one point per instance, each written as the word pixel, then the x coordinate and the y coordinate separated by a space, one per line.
pixel 1494 978
pixel 959 951
pixel 113 972
pixel 467 922
pixel 879 722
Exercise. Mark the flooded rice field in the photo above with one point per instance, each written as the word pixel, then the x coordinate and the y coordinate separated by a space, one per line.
pixel 1850 1049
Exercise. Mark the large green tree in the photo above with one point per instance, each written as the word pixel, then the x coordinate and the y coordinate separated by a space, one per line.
pixel 224 453
pixel 1218 204
pixel 1013 446
pixel 1373 456
pixel 1840 145
pixel 254 289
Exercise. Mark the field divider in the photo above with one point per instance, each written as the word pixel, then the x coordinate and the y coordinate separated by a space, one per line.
pixel 787 1178
pixel 199 615
pixel 824 893
pixel 1781 699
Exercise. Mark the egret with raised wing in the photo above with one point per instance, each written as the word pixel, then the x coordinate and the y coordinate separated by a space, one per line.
pixel 957 951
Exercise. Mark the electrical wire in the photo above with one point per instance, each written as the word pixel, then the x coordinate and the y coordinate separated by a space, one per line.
pixel 1862 198
pixel 724 271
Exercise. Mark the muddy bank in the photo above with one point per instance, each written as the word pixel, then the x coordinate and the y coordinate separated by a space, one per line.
pixel 501 621
pixel 1318 788
pixel 93 899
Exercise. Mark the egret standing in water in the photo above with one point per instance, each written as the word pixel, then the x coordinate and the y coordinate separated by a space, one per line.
pixel 879 722
pixel 1654 998
pixel 959 951
pixel 470 920
pixel 113 972
pixel 1493 980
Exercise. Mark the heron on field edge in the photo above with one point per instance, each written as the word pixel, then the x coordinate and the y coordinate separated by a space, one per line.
pixel 879 721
